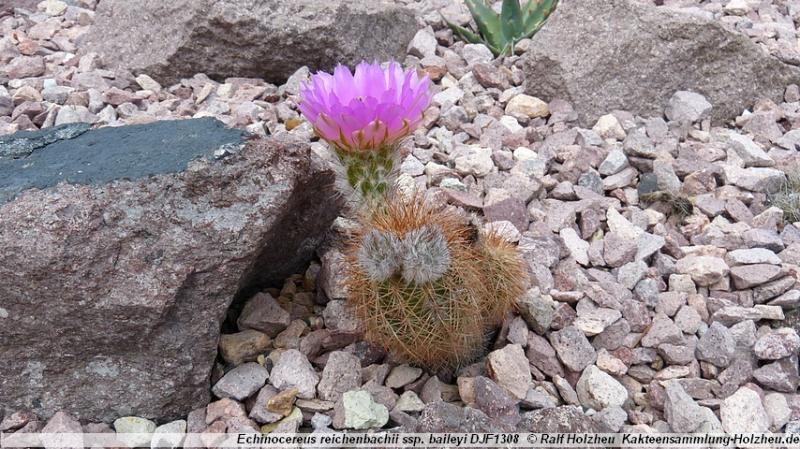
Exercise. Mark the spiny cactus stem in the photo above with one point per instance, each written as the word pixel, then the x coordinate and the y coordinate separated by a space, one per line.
pixel 371 174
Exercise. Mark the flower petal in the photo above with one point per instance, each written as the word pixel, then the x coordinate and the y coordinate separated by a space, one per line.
pixel 365 109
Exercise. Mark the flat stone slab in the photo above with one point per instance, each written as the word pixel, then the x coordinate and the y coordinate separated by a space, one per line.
pixel 69 153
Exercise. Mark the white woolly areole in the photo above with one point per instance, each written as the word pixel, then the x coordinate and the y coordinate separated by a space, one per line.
pixel 425 255
pixel 379 255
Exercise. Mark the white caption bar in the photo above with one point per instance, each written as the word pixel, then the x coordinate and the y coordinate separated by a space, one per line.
pixel 395 440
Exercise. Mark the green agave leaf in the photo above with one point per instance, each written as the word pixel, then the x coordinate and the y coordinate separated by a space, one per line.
pixel 488 21
pixel 511 16
pixel 463 33
pixel 530 7
pixel 497 51
pixel 536 13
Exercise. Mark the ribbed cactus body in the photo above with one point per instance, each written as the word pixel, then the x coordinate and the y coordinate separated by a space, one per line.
pixel 423 287
pixel 503 274
pixel 368 175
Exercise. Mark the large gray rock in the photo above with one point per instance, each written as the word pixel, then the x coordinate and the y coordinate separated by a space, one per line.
pixel 251 38
pixel 603 55
pixel 115 278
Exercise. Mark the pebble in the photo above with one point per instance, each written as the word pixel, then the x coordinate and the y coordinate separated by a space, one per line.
pixel 294 370
pixel 573 348
pixel 608 127
pixel 752 256
pixel 53 7
pixel 704 270
pixel 263 313
pixel 477 53
pixel 685 106
pixel 596 320
pixel 259 411
pixel 476 161
pixel 509 367
pixel 613 163
pixel 662 330
pixel 780 343
pixel 140 428
pixel 688 319
pixel 524 107
pixel 716 345
pixel 750 152
pixel 241 382
pixel 402 375
pixel 423 44
pixel 578 248
pixel 755 179
pixel 282 402
pixel 451 96
pixel 169 435
pixel 61 423
pixel 25 67
pixel 781 375
pixel 742 412
pixel 777 407
pixel 147 83
pixel 74 114
pixel 598 390
pixel 361 412
pixel 409 402
pixel 747 276
pixel 342 373
pixel 243 346
pixel 681 411
pixel 737 7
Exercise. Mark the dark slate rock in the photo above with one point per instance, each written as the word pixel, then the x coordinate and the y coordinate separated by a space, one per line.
pixel 74 155
pixel 23 143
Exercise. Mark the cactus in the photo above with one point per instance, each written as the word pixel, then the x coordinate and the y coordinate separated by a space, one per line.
pixel 423 287
pixel 500 32
pixel 367 176
pixel 504 275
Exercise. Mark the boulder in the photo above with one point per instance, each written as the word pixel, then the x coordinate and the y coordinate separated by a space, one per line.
pixel 603 55
pixel 246 38
pixel 123 249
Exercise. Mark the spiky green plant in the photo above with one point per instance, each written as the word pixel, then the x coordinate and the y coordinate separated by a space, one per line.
pixel 500 32
pixel 424 288
pixel 787 198
pixel 367 176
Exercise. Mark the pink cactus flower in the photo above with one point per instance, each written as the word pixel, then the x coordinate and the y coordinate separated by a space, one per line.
pixel 368 110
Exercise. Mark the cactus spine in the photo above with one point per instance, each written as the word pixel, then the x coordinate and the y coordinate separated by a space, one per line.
pixel 423 287
pixel 366 176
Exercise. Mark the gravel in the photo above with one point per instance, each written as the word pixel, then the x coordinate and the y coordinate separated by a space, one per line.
pixel 655 320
